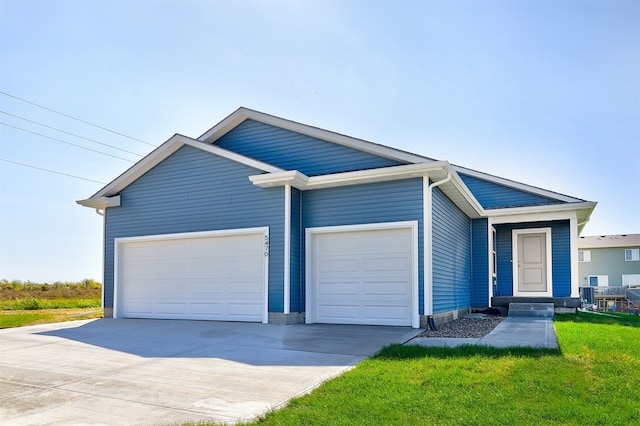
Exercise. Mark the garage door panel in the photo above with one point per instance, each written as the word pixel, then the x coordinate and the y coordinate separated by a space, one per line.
pixel 385 242
pixel 243 267
pixel 207 309
pixel 171 308
pixel 140 308
pixel 391 264
pixel 200 277
pixel 337 244
pixel 387 313
pixel 329 288
pixel 328 265
pixel 362 276
pixel 203 268
pixel 242 288
pixel 400 288
pixel 338 314
pixel 244 309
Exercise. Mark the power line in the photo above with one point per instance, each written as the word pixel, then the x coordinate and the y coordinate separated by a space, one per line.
pixel 77 119
pixel 50 171
pixel 69 133
pixel 65 142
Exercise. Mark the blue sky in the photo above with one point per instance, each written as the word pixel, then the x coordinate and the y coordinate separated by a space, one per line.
pixel 541 92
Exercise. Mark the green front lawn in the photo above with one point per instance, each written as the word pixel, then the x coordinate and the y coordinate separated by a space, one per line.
pixel 593 379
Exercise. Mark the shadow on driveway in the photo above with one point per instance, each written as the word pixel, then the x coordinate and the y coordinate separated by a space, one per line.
pixel 135 372
pixel 248 343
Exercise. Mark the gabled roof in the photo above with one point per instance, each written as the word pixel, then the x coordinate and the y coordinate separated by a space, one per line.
pixel 101 199
pixel 417 165
pixel 242 114
pixel 609 241
pixel 518 185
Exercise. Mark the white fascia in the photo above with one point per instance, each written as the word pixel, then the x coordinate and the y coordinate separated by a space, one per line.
pixel 101 203
pixel 516 185
pixel 161 153
pixel 271 180
pixel 304 182
pixel 454 188
pixel 242 114
pixel 522 214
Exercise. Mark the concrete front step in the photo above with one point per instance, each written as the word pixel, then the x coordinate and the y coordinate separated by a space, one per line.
pixel 545 310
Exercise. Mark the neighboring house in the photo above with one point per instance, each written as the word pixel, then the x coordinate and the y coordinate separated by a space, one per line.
pixel 609 260
pixel 269 220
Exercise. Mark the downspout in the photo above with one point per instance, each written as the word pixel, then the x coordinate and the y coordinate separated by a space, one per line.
pixel 102 212
pixel 287 249
pixel 428 273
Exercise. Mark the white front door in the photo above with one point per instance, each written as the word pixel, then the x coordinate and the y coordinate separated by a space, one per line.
pixel 532 262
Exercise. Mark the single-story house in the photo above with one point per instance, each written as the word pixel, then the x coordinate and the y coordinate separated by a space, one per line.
pixel 269 220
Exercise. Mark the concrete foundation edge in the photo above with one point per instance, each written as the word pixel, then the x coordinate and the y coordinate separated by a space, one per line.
pixel 443 317
pixel 281 318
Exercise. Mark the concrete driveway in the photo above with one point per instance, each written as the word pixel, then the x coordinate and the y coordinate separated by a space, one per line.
pixel 164 371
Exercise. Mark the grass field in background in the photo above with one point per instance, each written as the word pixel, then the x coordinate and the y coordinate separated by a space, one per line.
pixel 36 303
pixel 593 379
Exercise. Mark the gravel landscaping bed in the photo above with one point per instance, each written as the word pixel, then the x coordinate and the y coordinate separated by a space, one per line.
pixel 466 327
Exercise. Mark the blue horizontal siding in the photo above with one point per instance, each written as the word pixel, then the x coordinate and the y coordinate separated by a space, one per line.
pixel 451 256
pixel 480 262
pixel 192 191
pixel 295 151
pixel 560 256
pixel 492 195
pixel 395 201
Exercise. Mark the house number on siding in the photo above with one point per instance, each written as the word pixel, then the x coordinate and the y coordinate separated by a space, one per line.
pixel 266 245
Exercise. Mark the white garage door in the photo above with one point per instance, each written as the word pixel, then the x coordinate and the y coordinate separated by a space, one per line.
pixel 203 276
pixel 362 276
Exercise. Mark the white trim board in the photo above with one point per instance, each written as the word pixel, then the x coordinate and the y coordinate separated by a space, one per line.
pixel 454 188
pixel 517 185
pixel 163 152
pixel 242 114
pixel 548 261
pixel 412 225
pixel 118 242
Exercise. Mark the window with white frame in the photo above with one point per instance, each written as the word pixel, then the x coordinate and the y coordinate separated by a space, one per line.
pixel 584 255
pixel 632 255
pixel 631 280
